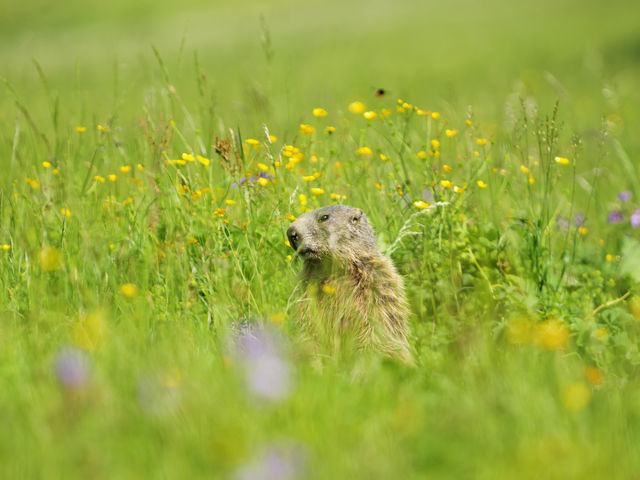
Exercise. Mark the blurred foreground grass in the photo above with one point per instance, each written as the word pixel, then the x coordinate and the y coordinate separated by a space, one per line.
pixel 145 195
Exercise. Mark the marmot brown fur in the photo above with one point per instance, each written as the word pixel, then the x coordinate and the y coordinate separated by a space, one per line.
pixel 352 293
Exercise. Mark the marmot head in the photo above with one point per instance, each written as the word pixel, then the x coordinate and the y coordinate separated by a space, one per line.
pixel 336 231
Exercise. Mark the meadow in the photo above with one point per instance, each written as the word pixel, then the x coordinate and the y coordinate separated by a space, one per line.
pixel 153 157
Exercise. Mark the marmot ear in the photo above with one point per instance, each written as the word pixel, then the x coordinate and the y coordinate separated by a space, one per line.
pixel 355 218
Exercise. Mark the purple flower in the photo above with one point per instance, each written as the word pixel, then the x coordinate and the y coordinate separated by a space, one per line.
pixel 635 218
pixel 615 216
pixel 562 223
pixel 624 196
pixel 267 372
pixel 579 220
pixel 72 368
pixel 275 463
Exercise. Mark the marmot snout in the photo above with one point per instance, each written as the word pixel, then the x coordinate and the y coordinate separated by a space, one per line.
pixel 351 289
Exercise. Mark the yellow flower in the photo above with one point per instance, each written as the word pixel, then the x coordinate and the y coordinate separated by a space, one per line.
pixel 46 164
pixel 421 154
pixel 228 201
pixel 446 183
pixel 99 179
pixel 252 141
pixel 531 179
pixel 319 112
pixel 435 115
pixel 385 112
pixel 482 141
pixel 188 157
pixel 609 257
pixel 422 113
pixel 89 332
pixel 263 167
pixel 421 205
pixel 128 290
pixel 459 189
pixel 203 160
pixel 308 178
pixel 384 158
pixel 102 128
pixel 356 107
pixel 5 247
pixel 221 212
pixel 576 396
pixel 435 143
pixel 447 168
pixel 273 138
pixel 469 123
pixel 33 183
pixel 552 334
pixel 562 160
pixel 263 181
pixel 65 212
pixel 55 171
pixel 125 169
pixel 525 169
pixel 81 129
pixel 306 129
pixel 317 191
pixel 330 129
pixel 594 375
pixel 451 133
pixel 140 167
pixel 364 151
pixel 328 289
pixel 303 199
pixel 112 177
pixel 50 259
pixel 337 196
pixel 582 230
pixel 481 184
pixel 370 115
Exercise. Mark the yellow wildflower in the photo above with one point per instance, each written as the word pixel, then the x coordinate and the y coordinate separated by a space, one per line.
pixel 446 183
pixel 317 191
pixel 384 158
pixel 435 115
pixel 128 290
pixel 328 289
pixel 125 168
pixel 308 178
pixel 525 169
pixel 576 396
pixel 385 112
pixel 451 133
pixel 356 107
pixel 5 247
pixel 98 178
pixel 263 181
pixel 263 167
pixel 562 160
pixel 221 212
pixel 81 129
pixel 112 177
pixel 46 164
pixel 421 205
pixel 252 141
pixel 319 112
pixel 228 201
pixel 609 257
pixel 330 129
pixel 582 230
pixel 364 151
pixel 306 129
pixel 203 160
pixel 188 157
pixel 370 115
pixel 447 168
pixel 303 199
pixel 66 212
pixel 102 128
pixel 469 123
pixel 55 171
pixel 421 154
pixel 33 183
pixel 552 334
pixel 273 138
pixel 50 259
pixel 531 179
pixel 459 189
pixel 482 141
pixel 435 143
pixel 481 184
pixel 140 167
pixel 128 201
pixel 594 375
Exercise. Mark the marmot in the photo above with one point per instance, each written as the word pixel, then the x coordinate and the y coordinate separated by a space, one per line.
pixel 352 293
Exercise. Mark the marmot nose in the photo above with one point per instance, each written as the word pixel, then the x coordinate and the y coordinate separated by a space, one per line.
pixel 294 238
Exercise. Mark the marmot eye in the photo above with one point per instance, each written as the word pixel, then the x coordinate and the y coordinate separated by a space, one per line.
pixel 324 218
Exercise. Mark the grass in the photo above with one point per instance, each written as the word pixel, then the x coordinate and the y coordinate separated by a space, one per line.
pixel 143 211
